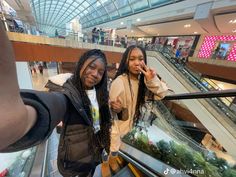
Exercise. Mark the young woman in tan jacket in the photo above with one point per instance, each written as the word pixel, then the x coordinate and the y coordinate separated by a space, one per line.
pixel 127 93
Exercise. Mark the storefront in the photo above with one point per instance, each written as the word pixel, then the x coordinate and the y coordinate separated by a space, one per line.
pixel 184 43
pixel 219 47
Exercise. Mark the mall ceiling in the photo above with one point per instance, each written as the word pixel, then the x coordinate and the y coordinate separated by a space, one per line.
pixel 135 17
pixel 178 27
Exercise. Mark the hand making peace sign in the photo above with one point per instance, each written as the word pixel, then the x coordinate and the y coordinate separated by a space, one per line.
pixel 148 72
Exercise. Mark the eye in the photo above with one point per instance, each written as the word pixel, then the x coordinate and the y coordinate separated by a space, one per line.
pixel 140 58
pixel 100 73
pixel 92 66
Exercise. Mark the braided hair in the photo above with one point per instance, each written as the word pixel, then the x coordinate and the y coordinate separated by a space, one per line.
pixel 124 68
pixel 101 93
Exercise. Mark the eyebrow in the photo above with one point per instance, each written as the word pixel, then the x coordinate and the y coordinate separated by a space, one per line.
pixel 93 63
pixel 135 56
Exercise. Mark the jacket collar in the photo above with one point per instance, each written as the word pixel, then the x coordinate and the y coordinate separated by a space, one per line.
pixel 72 93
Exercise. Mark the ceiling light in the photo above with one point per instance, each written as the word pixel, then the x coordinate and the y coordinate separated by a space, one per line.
pixel 187 25
pixel 138 19
pixel 132 31
pixel 232 21
pixel 121 23
pixel 195 32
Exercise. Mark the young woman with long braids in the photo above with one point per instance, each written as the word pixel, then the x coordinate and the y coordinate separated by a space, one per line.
pixel 82 105
pixel 127 93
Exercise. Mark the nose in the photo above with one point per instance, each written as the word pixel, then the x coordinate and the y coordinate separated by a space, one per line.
pixel 137 63
pixel 95 73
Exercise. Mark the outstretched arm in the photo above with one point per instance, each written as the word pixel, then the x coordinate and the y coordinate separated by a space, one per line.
pixel 15 117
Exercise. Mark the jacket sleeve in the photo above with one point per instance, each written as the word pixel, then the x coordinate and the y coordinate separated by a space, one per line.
pixel 117 91
pixel 51 109
pixel 158 87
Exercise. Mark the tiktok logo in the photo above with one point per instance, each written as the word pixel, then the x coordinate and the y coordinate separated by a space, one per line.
pixel 172 171
pixel 166 171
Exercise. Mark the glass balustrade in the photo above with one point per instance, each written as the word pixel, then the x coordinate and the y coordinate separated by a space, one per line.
pixel 170 133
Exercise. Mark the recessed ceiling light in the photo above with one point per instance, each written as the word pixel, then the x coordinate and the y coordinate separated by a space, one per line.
pixel 138 19
pixel 132 31
pixel 195 32
pixel 187 25
pixel 121 23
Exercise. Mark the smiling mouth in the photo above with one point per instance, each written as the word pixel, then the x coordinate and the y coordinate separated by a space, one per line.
pixel 92 81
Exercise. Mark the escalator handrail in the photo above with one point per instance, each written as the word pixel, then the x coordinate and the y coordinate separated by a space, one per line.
pixel 130 159
pixel 45 162
pixel 186 70
pixel 199 95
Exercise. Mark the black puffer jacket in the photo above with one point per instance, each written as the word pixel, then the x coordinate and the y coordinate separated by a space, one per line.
pixel 79 148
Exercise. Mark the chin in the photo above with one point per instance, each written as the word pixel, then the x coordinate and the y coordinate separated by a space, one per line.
pixel 89 86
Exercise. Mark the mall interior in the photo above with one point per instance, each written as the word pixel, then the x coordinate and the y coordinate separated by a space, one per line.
pixel 191 45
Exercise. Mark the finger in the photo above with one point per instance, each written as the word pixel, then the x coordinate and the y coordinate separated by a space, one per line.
pixel 145 66
pixel 116 104
pixel 118 100
pixel 116 107
pixel 112 102
pixel 141 69
pixel 152 71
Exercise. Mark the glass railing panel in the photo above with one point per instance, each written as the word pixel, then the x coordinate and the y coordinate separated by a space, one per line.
pixel 161 134
pixel 17 163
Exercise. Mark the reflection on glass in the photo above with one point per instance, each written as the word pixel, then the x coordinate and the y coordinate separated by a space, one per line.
pixel 19 163
pixel 159 135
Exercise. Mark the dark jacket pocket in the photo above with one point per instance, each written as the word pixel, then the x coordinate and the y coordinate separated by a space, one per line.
pixel 77 150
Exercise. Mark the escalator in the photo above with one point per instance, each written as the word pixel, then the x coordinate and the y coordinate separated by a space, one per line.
pixel 216 117
pixel 197 82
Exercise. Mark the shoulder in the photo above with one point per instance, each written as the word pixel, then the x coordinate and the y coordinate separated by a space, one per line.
pixel 60 79
pixel 120 79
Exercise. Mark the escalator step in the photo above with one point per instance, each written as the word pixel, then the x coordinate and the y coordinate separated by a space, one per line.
pixel 134 170
pixel 121 161
pixel 124 172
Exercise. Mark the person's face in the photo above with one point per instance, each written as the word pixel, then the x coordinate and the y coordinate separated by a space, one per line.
pixel 91 73
pixel 134 61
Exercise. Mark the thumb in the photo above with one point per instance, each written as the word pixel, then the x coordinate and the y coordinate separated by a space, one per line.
pixel 118 99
